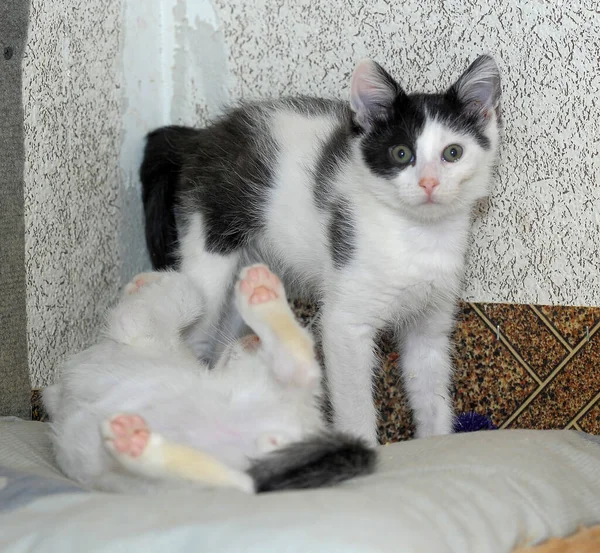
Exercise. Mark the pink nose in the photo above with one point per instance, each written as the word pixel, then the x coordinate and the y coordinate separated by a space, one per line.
pixel 428 184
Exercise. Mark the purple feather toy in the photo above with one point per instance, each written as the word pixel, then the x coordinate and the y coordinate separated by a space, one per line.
pixel 472 422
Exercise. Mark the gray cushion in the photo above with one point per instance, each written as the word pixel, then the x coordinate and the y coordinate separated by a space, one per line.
pixel 483 492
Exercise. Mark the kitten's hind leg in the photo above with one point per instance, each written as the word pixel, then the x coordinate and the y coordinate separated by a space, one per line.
pixel 213 273
pixel 261 300
pixel 144 453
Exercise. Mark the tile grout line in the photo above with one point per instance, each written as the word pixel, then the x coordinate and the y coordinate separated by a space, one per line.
pixel 508 345
pixel 550 377
pixel 551 327
pixel 584 411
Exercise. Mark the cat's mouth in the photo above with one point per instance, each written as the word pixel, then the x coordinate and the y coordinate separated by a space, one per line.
pixel 430 200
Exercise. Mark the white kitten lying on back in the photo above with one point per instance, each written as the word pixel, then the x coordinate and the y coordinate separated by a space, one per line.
pixel 138 408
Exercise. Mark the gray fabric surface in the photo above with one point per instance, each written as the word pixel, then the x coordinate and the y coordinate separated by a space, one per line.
pixel 477 492
pixel 20 487
pixel 591 437
pixel 14 372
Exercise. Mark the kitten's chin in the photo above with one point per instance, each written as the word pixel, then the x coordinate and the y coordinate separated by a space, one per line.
pixel 431 211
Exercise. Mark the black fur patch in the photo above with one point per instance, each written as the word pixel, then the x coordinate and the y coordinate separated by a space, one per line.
pixel 448 109
pixel 226 175
pixel 323 460
pixel 342 233
pixel 160 173
pixel 231 166
pixel 336 152
pixel 403 125
pixel 406 121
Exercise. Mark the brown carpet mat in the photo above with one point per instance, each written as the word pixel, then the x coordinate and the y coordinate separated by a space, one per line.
pixel 524 366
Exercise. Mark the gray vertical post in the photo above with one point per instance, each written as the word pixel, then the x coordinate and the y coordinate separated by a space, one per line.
pixel 15 389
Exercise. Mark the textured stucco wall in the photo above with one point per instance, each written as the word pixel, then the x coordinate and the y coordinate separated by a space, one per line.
pixel 71 89
pixel 98 75
pixel 536 241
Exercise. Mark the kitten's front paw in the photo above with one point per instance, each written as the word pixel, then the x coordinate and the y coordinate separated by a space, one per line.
pixel 140 280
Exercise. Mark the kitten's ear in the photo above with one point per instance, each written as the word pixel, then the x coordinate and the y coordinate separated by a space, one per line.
pixel 478 88
pixel 372 93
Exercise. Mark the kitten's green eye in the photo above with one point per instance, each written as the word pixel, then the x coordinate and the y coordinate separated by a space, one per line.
pixel 452 153
pixel 402 154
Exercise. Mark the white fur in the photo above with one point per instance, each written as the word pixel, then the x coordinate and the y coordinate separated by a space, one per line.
pixel 233 413
pixel 406 268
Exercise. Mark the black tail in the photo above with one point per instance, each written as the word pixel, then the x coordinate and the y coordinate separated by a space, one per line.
pixel 323 460
pixel 159 173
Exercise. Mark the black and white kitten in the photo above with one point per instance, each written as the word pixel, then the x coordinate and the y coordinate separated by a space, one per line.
pixel 366 205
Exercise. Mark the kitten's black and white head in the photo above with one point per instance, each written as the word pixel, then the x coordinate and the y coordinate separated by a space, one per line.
pixel 432 152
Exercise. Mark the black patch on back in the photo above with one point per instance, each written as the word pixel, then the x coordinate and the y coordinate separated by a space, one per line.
pixel 406 121
pixel 226 176
pixel 335 153
pixel 342 233
pixel 229 169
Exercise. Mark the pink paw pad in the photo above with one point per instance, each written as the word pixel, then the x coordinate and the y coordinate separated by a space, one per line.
pixel 260 285
pixel 130 434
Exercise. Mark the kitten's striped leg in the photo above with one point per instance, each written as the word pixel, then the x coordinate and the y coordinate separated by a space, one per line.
pixel 143 452
pixel 261 300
